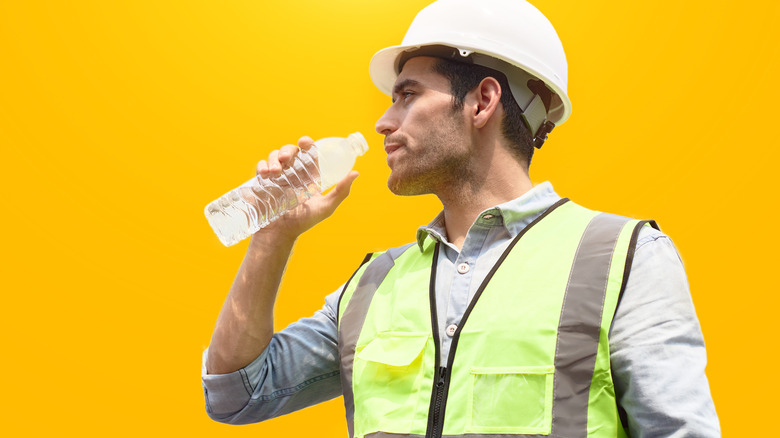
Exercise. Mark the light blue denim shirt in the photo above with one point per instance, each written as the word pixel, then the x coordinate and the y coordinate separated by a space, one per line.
pixel 656 345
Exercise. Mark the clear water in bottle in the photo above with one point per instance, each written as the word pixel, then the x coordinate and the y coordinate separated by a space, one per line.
pixel 253 205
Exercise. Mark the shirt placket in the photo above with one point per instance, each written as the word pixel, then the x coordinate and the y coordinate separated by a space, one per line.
pixel 462 281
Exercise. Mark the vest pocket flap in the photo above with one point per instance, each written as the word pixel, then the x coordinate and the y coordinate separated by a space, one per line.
pixel 394 349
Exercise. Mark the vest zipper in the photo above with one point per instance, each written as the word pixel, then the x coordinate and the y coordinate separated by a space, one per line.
pixel 439 396
pixel 436 408
pixel 434 431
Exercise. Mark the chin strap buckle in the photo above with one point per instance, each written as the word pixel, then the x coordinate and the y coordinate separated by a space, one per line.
pixel 541 133
pixel 535 118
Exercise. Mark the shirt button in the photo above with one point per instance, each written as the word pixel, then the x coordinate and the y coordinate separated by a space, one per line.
pixel 487 216
pixel 451 330
pixel 463 268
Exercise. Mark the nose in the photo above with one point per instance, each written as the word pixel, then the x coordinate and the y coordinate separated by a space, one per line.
pixel 387 124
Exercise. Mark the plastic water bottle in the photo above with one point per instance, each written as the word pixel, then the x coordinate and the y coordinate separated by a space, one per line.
pixel 253 205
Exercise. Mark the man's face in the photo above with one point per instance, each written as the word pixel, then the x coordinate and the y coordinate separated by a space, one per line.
pixel 426 140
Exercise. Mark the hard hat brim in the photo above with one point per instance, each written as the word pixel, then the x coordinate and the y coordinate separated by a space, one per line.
pixel 383 69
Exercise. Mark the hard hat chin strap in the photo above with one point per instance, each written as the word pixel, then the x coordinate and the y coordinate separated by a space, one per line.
pixel 535 118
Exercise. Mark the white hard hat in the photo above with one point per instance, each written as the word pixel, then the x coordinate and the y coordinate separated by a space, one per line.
pixel 510 36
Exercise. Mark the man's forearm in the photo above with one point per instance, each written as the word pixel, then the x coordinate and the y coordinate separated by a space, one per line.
pixel 245 324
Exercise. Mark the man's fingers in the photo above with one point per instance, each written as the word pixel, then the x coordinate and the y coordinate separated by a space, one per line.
pixel 262 168
pixel 287 155
pixel 305 143
pixel 282 158
pixel 274 167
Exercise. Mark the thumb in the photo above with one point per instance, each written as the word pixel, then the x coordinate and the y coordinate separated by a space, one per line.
pixel 341 190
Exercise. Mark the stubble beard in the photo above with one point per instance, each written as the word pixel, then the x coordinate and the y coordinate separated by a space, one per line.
pixel 441 161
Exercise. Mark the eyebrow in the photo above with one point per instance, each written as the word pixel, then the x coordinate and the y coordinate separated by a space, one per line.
pixel 403 84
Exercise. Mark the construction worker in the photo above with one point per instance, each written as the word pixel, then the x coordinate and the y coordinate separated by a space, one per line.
pixel 514 312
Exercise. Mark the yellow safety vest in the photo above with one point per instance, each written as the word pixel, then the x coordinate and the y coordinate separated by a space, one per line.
pixel 530 356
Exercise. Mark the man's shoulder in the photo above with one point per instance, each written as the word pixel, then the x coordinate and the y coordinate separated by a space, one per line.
pixel 648 234
pixel 393 252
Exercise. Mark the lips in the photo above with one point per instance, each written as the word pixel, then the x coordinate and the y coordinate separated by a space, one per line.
pixel 392 147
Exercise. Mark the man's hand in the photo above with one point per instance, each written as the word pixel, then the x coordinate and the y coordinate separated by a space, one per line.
pixel 313 211
pixel 245 324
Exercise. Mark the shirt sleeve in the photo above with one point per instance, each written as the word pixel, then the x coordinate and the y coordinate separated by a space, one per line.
pixel 657 349
pixel 299 368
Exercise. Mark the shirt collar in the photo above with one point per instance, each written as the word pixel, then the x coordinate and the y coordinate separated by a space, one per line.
pixel 513 215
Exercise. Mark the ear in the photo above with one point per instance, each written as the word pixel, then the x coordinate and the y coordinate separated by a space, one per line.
pixel 486 97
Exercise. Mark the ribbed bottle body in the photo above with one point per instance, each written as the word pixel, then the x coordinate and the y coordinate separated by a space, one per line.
pixel 253 205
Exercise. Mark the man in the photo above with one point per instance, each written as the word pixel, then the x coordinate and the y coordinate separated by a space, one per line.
pixel 515 312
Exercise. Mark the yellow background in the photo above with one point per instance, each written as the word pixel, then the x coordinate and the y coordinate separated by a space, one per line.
pixel 120 120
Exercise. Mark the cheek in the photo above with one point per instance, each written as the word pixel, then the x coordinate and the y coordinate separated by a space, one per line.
pixel 428 115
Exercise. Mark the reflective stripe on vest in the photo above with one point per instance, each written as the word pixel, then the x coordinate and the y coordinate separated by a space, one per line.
pixel 543 372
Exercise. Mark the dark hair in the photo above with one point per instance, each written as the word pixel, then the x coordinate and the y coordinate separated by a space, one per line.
pixel 464 77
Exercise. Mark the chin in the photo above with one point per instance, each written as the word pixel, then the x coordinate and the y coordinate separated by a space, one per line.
pixel 406 187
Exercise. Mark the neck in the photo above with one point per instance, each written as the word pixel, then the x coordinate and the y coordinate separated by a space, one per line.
pixel 497 181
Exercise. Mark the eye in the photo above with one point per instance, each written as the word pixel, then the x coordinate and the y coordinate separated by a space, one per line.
pixel 405 95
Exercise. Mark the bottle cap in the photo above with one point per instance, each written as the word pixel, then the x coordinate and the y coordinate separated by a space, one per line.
pixel 358 142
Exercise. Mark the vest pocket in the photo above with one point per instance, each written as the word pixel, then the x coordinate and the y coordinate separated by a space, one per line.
pixel 515 400
pixel 388 372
